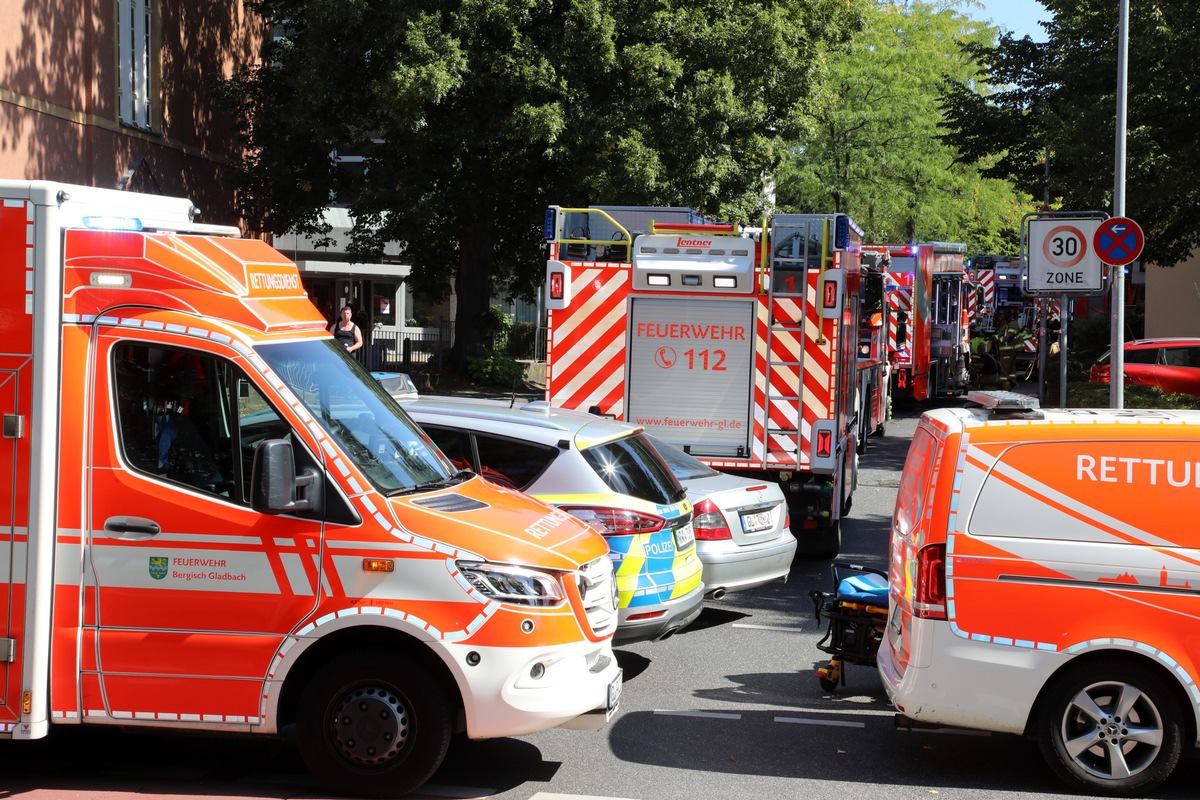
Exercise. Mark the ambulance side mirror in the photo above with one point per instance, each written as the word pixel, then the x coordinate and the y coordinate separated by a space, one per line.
pixel 274 483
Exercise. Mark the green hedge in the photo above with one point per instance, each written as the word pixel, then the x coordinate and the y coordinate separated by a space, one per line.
pixel 1096 395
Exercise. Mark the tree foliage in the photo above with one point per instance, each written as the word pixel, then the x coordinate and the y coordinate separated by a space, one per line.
pixel 473 115
pixel 1061 94
pixel 873 149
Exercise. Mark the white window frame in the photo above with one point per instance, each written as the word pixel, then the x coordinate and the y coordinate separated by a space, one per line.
pixel 134 49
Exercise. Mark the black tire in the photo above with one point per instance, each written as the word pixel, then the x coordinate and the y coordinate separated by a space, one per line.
pixel 1094 745
pixel 824 541
pixel 373 724
pixel 864 431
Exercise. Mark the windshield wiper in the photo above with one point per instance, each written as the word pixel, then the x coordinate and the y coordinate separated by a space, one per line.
pixel 429 486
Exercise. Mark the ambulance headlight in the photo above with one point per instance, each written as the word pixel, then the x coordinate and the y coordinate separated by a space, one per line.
pixel 509 584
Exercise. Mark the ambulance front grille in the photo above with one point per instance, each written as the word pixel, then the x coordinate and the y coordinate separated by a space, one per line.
pixel 598 588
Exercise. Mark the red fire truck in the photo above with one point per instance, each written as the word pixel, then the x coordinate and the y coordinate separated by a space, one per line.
pixel 741 352
pixel 928 327
pixel 874 399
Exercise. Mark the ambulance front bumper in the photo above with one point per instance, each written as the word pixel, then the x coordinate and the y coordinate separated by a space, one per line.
pixel 963 682
pixel 513 691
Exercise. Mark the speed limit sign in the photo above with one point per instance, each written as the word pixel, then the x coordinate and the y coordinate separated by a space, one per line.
pixel 1061 258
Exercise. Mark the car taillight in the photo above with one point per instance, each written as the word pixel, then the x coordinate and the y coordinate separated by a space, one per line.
pixel 709 523
pixel 929 601
pixel 616 521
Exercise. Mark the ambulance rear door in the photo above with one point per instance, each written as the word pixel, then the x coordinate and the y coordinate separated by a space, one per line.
pixel 16 384
pixel 14 471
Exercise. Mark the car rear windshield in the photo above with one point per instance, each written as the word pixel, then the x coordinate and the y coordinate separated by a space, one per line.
pixel 684 466
pixel 632 466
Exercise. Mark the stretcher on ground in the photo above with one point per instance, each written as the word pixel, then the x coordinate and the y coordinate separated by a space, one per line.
pixel 856 612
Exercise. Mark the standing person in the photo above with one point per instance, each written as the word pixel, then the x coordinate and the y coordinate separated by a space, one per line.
pixel 1054 333
pixel 346 331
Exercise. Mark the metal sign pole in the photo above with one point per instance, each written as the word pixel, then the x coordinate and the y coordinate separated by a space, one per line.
pixel 1064 314
pixel 1116 374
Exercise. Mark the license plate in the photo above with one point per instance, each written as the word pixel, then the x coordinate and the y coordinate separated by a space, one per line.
pixel 756 522
pixel 614 693
pixel 684 537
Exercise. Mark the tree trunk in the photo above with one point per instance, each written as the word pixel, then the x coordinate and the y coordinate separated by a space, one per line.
pixel 473 289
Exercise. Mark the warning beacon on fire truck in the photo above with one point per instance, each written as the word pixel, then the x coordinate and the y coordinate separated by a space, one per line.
pixel 741 352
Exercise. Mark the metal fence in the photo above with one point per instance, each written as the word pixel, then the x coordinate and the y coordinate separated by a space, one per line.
pixel 427 351
pixel 405 351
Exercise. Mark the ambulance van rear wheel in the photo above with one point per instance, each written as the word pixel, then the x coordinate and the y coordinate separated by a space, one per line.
pixel 1110 728
pixel 373 724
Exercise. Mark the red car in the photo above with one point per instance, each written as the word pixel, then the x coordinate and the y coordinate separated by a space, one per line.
pixel 1171 364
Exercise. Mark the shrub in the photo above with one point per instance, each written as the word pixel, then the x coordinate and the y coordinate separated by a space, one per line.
pixel 1096 395
pixel 496 369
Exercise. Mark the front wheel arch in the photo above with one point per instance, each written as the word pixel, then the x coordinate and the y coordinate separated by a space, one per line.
pixel 1090 746
pixel 1191 731
pixel 358 637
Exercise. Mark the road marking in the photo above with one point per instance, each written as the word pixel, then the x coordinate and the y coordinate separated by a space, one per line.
pixel 707 714
pixel 767 627
pixel 837 723
pixel 556 796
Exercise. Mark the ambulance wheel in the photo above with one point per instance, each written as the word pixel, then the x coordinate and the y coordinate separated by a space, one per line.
pixel 373 724
pixel 1111 728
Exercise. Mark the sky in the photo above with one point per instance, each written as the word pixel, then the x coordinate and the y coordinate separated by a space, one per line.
pixel 1019 16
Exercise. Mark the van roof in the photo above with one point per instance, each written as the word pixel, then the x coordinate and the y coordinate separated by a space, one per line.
pixel 1184 422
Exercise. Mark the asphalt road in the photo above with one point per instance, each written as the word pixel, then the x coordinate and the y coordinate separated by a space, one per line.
pixel 729 708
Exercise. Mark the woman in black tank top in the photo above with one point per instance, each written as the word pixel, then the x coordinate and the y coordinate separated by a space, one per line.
pixel 346 332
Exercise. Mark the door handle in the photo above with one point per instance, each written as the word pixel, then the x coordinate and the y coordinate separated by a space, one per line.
pixel 135 528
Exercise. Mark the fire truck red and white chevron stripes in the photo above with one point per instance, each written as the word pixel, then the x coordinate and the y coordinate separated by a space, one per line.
pixel 758 440
pixel 819 375
pixel 986 278
pixel 899 298
pixel 591 337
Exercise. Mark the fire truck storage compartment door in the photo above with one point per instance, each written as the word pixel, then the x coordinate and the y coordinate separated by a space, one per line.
pixel 690 371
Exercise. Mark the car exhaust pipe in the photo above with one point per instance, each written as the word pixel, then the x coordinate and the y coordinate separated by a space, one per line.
pixel 667 634
pixel 716 594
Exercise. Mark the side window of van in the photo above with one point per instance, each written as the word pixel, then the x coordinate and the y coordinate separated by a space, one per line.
pixel 174 417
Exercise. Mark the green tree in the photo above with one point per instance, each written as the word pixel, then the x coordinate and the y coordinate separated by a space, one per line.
pixel 473 115
pixel 874 147
pixel 1061 94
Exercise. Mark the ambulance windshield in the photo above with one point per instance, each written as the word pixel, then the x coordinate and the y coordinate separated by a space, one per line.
pixel 369 428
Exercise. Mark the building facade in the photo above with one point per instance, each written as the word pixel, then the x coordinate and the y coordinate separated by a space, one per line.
pixel 113 94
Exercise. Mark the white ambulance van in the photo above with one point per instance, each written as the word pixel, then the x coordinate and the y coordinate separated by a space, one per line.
pixel 212 519
pixel 1045 580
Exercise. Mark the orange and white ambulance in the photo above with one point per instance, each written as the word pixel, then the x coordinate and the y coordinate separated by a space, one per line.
pixel 215 520
pixel 1045 580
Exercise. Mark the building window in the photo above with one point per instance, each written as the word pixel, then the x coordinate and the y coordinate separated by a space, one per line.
pixel 384 297
pixel 134 49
